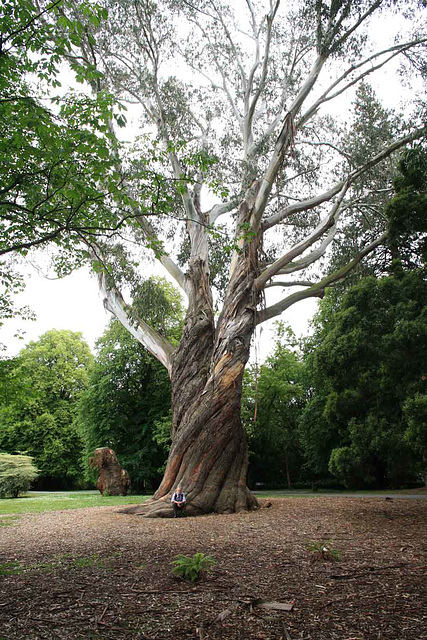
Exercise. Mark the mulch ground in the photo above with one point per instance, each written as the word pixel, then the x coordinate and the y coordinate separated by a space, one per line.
pixel 99 573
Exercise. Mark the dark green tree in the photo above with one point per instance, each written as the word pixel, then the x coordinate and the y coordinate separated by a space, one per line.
pixel 407 212
pixel 37 415
pixel 369 371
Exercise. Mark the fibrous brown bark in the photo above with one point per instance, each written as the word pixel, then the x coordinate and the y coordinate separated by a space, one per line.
pixel 113 480
pixel 208 456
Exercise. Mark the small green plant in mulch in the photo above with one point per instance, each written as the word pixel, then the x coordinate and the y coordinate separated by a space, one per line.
pixel 192 568
pixel 10 568
pixel 324 550
pixel 88 561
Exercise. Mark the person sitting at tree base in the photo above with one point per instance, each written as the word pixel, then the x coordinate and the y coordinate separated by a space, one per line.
pixel 178 503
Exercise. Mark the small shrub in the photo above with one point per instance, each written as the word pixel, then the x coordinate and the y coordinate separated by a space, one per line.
pixel 192 568
pixel 16 474
pixel 324 550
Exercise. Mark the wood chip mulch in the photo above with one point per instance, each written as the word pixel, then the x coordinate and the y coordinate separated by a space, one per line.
pixel 99 573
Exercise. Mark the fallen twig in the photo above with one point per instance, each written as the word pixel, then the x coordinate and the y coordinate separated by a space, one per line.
pixel 102 614
pixel 200 632
pixel 286 632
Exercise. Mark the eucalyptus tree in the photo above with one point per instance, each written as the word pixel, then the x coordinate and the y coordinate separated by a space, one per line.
pixel 236 98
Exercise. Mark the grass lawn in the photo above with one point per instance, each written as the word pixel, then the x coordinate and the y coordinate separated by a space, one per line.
pixel 57 501
pixel 38 502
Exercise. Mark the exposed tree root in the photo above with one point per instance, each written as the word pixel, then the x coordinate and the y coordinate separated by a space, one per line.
pixel 162 508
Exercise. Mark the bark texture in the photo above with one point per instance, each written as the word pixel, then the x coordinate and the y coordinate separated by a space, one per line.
pixel 208 457
pixel 113 480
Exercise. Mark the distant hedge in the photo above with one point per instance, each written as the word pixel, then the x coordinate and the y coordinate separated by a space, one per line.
pixel 16 474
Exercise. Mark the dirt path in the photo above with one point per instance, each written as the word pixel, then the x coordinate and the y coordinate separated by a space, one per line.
pixel 98 573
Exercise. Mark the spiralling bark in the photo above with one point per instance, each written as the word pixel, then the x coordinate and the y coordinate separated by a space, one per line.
pixel 208 456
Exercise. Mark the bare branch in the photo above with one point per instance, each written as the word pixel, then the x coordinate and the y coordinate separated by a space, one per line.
pixel 290 283
pixel 312 257
pixel 250 108
pixel 323 226
pixel 282 144
pixel 395 50
pixel 317 290
pixel 113 301
pixel 219 209
pixel 311 203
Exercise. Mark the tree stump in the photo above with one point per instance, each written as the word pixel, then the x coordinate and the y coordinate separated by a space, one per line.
pixel 113 480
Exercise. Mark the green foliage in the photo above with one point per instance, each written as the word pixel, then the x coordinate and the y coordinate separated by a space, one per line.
pixel 368 412
pixel 59 178
pixel 407 212
pixel 324 550
pixel 128 393
pixel 273 397
pixel 160 304
pixel 192 568
pixel 16 474
pixel 39 404
pixel 345 465
pixel 56 168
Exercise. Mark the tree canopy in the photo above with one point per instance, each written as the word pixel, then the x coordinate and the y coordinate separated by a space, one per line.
pixel 45 382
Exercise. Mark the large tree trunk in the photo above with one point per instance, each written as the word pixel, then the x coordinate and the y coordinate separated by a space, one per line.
pixel 208 456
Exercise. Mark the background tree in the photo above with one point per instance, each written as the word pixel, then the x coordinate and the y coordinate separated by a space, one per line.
pixel 407 212
pixel 279 183
pixel 129 392
pixel 370 374
pixel 366 416
pixel 273 397
pixel 371 126
pixel 48 378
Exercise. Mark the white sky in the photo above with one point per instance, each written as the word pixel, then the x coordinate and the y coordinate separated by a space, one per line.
pixel 74 302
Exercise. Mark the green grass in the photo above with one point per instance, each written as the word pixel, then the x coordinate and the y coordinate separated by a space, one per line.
pixel 58 501
pixel 8 521
pixel 37 503
pixel 66 561
pixel 10 568
pixel 308 493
